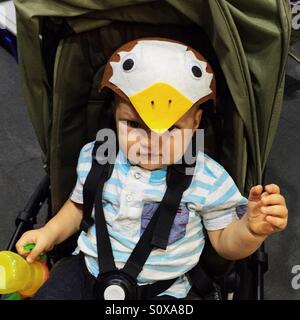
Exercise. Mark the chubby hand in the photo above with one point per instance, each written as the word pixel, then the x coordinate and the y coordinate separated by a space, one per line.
pixel 42 239
pixel 267 212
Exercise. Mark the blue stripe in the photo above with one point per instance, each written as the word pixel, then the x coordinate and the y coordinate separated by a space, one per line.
pixel 93 263
pixel 83 174
pixel 110 196
pixel 154 192
pixel 201 184
pixel 121 168
pixel 86 154
pixel 158 176
pixel 220 181
pixel 108 206
pixel 223 199
pixel 115 182
pixel 193 198
pixel 88 242
pixel 122 163
pixel 221 215
pixel 126 242
pixel 85 160
pixel 88 147
pixel 85 157
pixel 208 172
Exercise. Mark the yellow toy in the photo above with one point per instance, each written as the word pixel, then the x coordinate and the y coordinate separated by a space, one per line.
pixel 17 275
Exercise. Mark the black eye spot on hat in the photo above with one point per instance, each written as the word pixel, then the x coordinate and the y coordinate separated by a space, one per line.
pixel 128 64
pixel 197 72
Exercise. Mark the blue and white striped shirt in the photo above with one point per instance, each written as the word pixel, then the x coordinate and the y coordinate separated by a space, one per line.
pixel 130 198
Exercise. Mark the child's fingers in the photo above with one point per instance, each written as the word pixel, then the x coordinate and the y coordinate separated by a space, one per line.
pixel 25 239
pixel 275 210
pixel 35 252
pixel 264 194
pixel 273 199
pixel 272 188
pixel 255 193
pixel 277 222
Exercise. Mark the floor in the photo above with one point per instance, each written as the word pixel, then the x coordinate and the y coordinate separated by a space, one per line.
pixel 21 170
pixel 20 161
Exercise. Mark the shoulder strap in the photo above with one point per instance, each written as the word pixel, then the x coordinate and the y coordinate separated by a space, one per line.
pixel 177 182
pixel 89 191
pixel 105 253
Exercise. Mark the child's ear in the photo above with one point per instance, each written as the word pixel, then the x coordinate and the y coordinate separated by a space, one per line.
pixel 197 119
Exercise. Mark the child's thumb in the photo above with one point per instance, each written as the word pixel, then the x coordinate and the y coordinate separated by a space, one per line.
pixel 35 252
pixel 255 193
pixel 21 244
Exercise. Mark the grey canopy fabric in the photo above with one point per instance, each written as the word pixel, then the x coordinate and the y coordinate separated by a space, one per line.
pixel 250 39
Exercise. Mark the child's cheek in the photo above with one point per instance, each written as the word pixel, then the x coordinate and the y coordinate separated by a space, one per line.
pixel 130 141
pixel 175 146
pixel 122 136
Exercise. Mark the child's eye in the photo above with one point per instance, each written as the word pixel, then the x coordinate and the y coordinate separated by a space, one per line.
pixel 134 124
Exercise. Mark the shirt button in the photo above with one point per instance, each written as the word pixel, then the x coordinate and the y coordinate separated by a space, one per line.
pixel 137 175
pixel 191 207
pixel 129 197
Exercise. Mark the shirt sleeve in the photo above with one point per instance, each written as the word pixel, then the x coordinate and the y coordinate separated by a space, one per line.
pixel 83 167
pixel 224 203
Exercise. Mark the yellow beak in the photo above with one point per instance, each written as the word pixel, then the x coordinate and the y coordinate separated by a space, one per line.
pixel 160 106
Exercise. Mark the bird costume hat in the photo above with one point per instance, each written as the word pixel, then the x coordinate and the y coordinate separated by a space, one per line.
pixel 161 78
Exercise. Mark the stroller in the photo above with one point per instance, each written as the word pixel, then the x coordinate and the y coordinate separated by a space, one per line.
pixel 63 47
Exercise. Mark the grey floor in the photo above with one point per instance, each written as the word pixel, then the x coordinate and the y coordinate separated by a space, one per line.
pixel 21 170
pixel 20 163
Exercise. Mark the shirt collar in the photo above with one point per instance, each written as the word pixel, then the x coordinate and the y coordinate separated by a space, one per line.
pixel 157 176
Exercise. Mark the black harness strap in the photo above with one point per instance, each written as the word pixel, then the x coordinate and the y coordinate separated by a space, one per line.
pixel 202 283
pixel 177 183
pixel 105 254
pixel 152 290
pixel 89 192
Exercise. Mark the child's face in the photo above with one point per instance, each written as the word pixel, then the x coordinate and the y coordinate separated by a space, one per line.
pixel 148 149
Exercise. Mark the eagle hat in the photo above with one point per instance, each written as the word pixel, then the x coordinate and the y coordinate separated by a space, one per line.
pixel 161 78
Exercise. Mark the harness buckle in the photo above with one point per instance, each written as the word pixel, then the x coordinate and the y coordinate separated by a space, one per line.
pixel 115 285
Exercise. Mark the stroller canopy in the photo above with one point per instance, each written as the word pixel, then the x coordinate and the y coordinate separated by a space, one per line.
pixel 249 38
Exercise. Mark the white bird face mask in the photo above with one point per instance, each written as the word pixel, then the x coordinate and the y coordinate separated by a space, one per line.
pixel 161 78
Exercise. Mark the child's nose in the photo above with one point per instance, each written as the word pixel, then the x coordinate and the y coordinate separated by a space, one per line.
pixel 151 140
